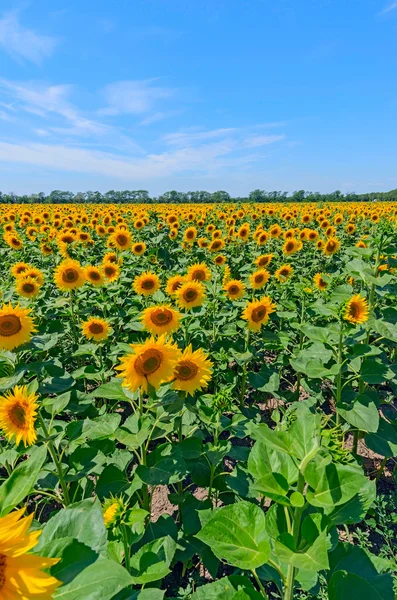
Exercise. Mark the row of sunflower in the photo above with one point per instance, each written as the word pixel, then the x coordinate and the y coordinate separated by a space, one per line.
pixel 140 344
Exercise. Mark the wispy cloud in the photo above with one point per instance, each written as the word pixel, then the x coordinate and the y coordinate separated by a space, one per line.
pixel 255 141
pixel 388 8
pixel 23 43
pixel 192 136
pixel 134 97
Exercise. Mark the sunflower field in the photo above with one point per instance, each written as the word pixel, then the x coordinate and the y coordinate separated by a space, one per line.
pixel 196 401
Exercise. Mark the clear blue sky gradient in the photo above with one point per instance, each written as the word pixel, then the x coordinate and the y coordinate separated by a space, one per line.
pixel 198 94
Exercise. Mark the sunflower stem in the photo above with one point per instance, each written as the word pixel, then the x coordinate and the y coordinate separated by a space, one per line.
pixel 56 460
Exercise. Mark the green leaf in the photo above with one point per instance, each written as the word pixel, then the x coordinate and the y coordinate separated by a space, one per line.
pixel 313 556
pixel 112 391
pixel 22 480
pixel 82 521
pixel 273 472
pixel 234 587
pixel 75 557
pixel 152 561
pixel 267 380
pixel 164 466
pixel 362 413
pixel 237 535
pixel 384 441
pixel 356 508
pixel 333 484
pixel 57 404
pixel 100 581
pixel 375 371
pixel 353 576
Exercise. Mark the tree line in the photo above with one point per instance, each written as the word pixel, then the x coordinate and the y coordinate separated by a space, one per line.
pixel 198 197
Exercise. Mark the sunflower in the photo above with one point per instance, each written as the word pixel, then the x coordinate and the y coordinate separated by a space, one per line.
pixel 160 319
pixel 264 260
pixel 234 289
pixel 291 246
pixel 146 284
pixel 16 326
pixel 139 248
pixel 198 272
pixel 259 279
pixel 121 240
pixel 257 312
pixel 110 257
pixel 284 273
pixel 216 245
pixel 320 282
pixel 111 271
pixel 331 246
pixel 361 244
pixel 190 294
pixel 21 574
pixel 357 310
pixel 150 363
pixel 220 259
pixel 262 238
pixel 19 268
pixel 34 274
pixel 190 234
pixel 96 329
pixel 69 275
pixel 18 410
pixel 27 287
pixel 94 275
pixel 112 509
pixel 192 372
pixel 174 283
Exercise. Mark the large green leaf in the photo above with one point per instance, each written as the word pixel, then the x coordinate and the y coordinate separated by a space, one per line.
pixel 75 557
pixel 164 466
pixel 267 380
pixel 234 587
pixel 273 472
pixel 384 441
pixel 362 413
pixel 236 534
pixel 152 561
pixel 333 484
pixel 356 508
pixel 312 552
pixel 22 480
pixel 100 581
pixel 82 521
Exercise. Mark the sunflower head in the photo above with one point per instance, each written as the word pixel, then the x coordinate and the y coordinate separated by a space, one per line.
pixel 259 279
pixel 199 272
pixel 139 248
pixel 111 271
pixel 190 294
pixel 284 273
pixel 27 287
pixel 94 275
pixel 151 363
pixel 331 246
pixel 192 372
pixel 356 310
pixel 234 289
pixel 96 329
pixel 257 312
pixel 69 275
pixel 174 283
pixel 264 260
pixel 18 411
pixel 160 319
pixel 146 284
pixel 16 326
pixel 321 281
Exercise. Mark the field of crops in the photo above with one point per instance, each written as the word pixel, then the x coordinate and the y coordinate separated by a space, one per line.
pixel 191 397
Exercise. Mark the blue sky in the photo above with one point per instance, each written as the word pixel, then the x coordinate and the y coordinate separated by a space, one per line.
pixel 198 94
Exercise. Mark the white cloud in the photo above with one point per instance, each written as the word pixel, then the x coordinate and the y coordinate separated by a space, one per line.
pixel 192 137
pixel 134 97
pixel 255 141
pixel 389 7
pixel 203 159
pixel 24 43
